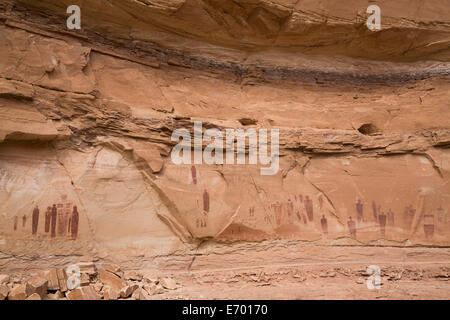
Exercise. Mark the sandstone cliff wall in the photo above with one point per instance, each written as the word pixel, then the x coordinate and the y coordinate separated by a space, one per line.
pixel 86 118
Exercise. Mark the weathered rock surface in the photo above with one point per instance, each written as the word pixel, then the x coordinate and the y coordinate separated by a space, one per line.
pixel 86 118
pixel 4 279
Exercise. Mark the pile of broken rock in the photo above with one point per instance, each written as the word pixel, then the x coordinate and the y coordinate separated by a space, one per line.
pixel 108 283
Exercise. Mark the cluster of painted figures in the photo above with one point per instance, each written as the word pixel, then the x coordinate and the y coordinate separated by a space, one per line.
pixel 292 210
pixel 296 208
pixel 60 220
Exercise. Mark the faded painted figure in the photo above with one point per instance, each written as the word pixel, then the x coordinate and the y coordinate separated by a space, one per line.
pixel 428 225
pixel 324 224
pixel 408 216
pixel 48 216
pixel 205 201
pixel 382 221
pixel 351 227
pixel 53 221
pixel 309 208
pixel 74 223
pixel 390 218
pixel 359 210
pixel 62 223
pixel 194 174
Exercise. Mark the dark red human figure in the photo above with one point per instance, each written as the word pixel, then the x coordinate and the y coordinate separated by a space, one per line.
pixel 301 198
pixel 428 225
pixel 24 221
pixel 205 201
pixel 309 208
pixel 53 221
pixel 359 210
pixel 351 227
pixel 374 209
pixel 304 219
pixel 324 224
pixel 290 208
pixel 74 222
pixel 278 213
pixel 35 221
pixel 382 221
pixel 320 202
pixel 48 215
pixel 15 223
pixel 194 174
pixel 390 218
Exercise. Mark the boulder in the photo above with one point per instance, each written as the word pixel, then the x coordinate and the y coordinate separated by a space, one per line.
pixel 128 290
pixel 20 292
pixel 83 293
pixel 54 296
pixel 114 269
pixel 4 290
pixel 150 278
pixel 88 268
pixel 57 279
pixel 141 294
pixel 34 296
pixel 168 283
pixel 153 289
pixel 110 293
pixel 133 275
pixel 4 279
pixel 98 286
pixel 111 279
pixel 38 285
pixel 84 279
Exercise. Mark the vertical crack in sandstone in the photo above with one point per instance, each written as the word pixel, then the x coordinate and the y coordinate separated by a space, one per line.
pixel 75 188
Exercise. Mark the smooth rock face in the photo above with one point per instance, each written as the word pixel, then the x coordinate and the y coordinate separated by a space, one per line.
pixel 86 119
